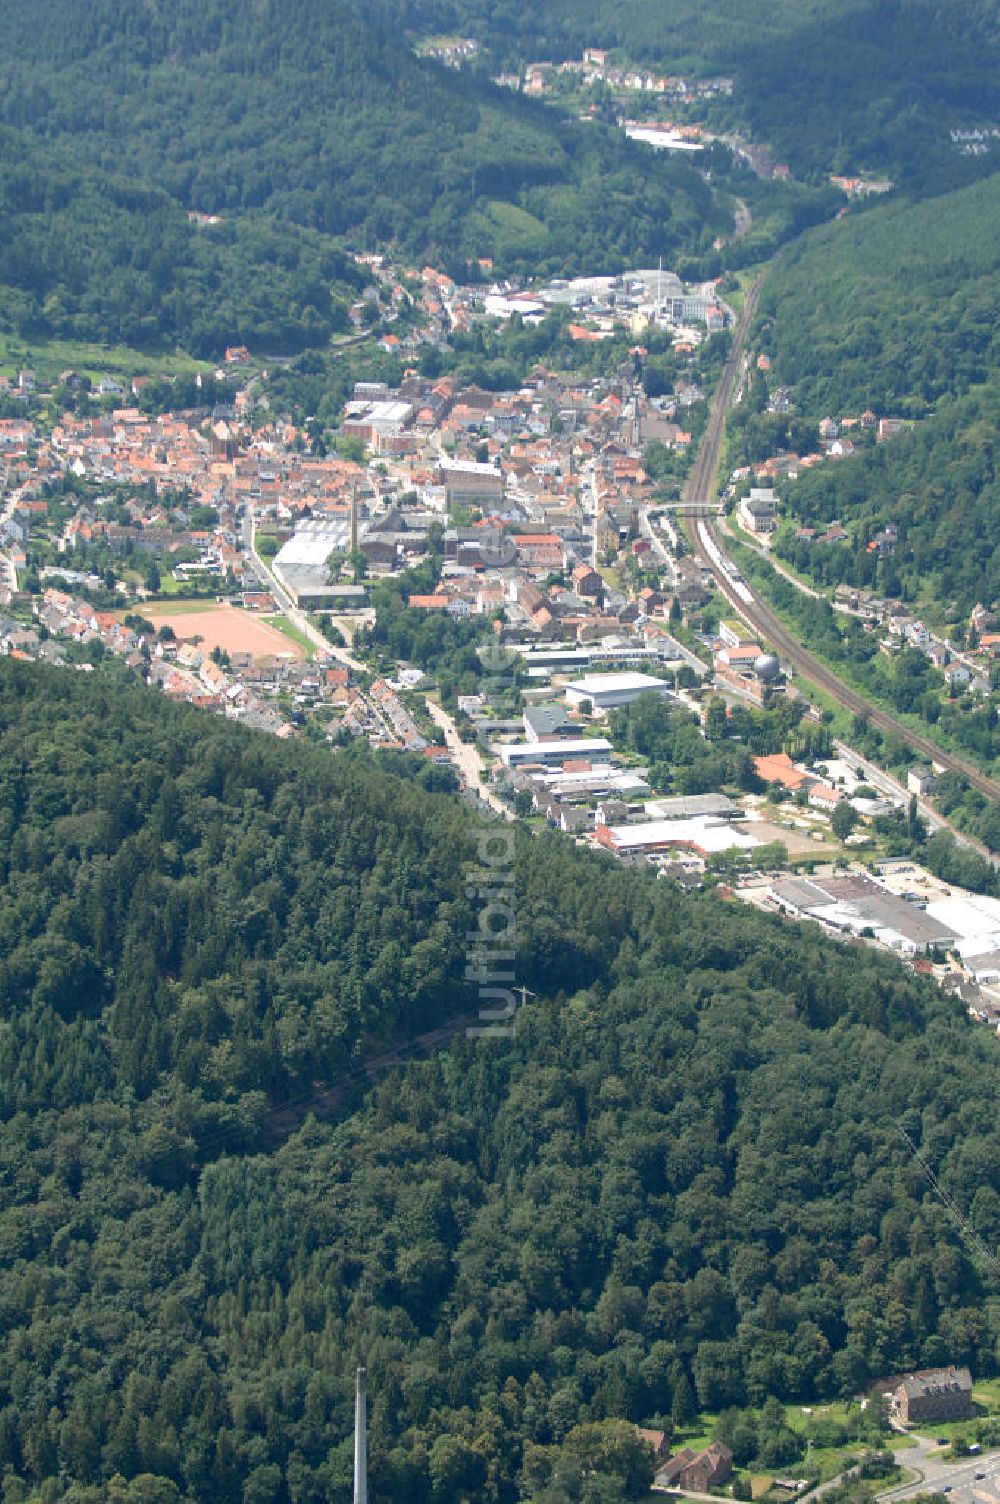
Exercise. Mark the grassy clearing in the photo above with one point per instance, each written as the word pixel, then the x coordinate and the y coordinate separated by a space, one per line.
pixel 48 357
pixel 169 586
pixel 986 1392
pixel 697 1437
pixel 291 631
pixel 171 607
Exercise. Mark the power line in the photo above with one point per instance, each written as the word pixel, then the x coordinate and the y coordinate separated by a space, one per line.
pixel 332 1096
pixel 970 1236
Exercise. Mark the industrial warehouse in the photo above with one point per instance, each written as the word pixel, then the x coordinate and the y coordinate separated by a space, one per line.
pixel 606 691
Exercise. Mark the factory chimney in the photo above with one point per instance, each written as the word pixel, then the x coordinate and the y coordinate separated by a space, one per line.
pixel 360 1439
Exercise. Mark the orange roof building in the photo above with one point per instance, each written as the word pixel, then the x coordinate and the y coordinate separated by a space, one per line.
pixel 779 768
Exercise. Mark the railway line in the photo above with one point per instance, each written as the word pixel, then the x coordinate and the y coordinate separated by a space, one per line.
pixel 767 625
pixel 709 545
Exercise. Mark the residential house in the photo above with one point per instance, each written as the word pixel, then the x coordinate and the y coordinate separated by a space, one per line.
pixel 920 781
pixel 823 797
pixel 573 821
pixel 586 581
pixel 615 812
pixel 933 1394
pixel 982 619
pixel 658 1440
pixel 696 1472
pixel 540 551
pixel 758 512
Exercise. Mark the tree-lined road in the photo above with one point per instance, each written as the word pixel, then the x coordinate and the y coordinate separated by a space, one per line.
pixel 467 760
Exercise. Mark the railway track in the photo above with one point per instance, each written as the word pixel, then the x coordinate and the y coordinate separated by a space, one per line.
pixel 767 625
pixel 700 483
pixel 698 493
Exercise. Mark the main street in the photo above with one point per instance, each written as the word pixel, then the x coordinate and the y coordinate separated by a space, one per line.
pixel 709 545
pixel 8 574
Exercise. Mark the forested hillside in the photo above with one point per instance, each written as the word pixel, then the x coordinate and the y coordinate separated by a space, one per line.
pixel 835 85
pixel 682 1178
pixel 941 487
pixel 309 116
pixel 895 309
pixel 892 309
pixel 88 256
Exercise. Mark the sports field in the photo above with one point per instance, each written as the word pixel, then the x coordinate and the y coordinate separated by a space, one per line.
pixel 222 626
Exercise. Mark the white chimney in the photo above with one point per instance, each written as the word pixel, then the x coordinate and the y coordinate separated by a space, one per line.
pixel 360 1439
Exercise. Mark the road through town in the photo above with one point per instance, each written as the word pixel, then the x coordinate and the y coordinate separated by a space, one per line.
pixel 466 758
pixel 288 607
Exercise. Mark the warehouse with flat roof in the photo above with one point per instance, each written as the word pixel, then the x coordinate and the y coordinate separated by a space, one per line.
pixel 703 834
pixel 554 753
pixel 856 904
pixel 605 691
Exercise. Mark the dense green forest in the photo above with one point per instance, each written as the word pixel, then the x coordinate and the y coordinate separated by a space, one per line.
pixel 835 85
pixel 890 309
pixel 308 114
pixel 893 309
pixel 680 1182
pixel 89 256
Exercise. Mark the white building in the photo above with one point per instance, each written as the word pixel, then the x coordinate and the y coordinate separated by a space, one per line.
pixel 976 920
pixel 593 749
pixel 706 835
pixel 605 691
pixel 920 781
pixel 758 512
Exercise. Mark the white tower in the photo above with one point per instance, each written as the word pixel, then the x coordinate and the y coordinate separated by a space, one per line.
pixel 360 1439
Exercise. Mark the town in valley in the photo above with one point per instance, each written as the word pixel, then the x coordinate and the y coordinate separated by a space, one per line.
pixel 361 588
